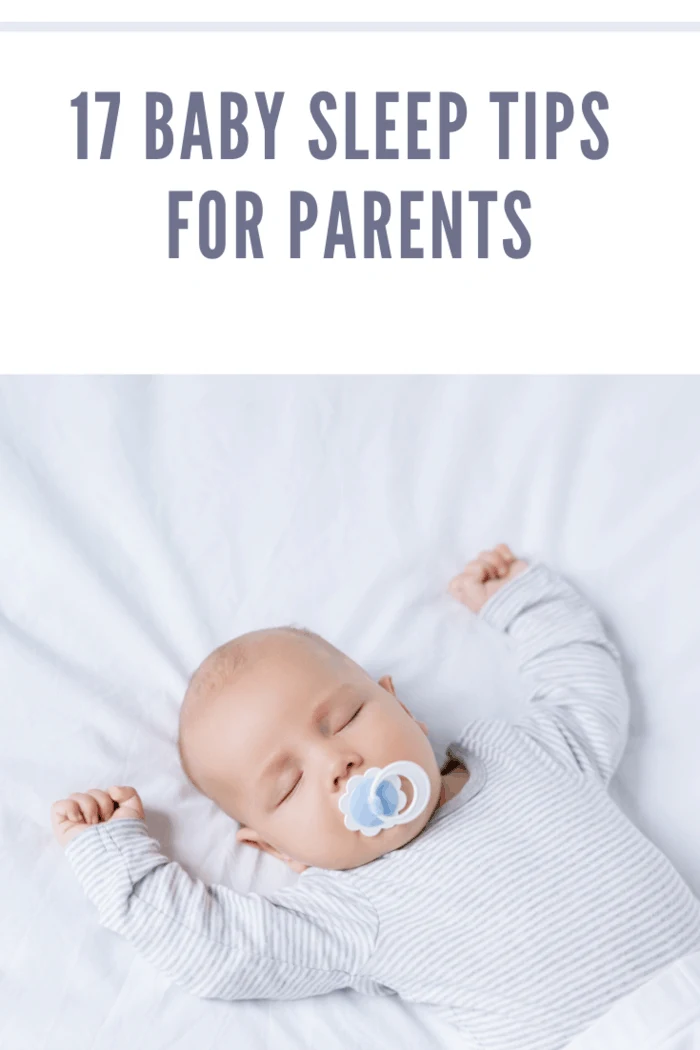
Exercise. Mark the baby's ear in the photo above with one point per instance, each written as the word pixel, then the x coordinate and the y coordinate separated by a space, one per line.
pixel 421 724
pixel 252 838
pixel 386 683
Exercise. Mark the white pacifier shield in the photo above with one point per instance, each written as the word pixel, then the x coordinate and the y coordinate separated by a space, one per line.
pixel 375 801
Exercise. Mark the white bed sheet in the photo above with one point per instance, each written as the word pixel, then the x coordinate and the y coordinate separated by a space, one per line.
pixel 144 521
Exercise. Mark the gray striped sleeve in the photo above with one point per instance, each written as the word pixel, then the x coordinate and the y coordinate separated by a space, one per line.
pixel 308 939
pixel 578 703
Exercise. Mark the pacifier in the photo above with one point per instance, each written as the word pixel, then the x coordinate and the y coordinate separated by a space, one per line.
pixel 375 801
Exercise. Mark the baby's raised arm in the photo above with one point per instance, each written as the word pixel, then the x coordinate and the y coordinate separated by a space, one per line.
pixel 578 705
pixel 308 939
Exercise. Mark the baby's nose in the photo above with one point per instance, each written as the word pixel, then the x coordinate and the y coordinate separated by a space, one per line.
pixel 346 768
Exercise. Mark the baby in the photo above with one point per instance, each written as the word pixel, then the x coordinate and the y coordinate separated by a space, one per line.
pixel 505 888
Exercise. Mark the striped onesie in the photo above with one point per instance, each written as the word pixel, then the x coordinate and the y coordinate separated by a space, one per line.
pixel 527 905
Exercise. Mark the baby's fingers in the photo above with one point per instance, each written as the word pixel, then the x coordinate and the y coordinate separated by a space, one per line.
pixel 128 802
pixel 493 564
pixel 88 806
pixel 104 802
pixel 473 572
pixel 499 560
pixel 66 811
pixel 504 550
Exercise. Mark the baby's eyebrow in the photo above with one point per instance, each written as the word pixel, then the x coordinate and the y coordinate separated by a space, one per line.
pixel 341 693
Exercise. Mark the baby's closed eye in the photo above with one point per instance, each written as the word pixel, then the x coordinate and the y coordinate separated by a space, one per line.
pixel 290 791
pixel 352 717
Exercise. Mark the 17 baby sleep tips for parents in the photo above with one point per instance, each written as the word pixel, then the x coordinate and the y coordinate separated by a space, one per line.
pixel 408 223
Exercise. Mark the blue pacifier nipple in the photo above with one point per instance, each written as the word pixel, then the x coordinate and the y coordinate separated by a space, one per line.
pixel 375 801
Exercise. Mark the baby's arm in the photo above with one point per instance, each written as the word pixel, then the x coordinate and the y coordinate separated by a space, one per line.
pixel 579 706
pixel 305 940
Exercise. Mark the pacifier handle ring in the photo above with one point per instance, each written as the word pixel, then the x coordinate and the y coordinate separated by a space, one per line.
pixel 420 782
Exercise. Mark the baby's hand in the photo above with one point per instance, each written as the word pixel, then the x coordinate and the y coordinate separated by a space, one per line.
pixel 70 816
pixel 485 575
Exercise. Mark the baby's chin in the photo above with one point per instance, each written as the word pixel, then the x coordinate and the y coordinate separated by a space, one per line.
pixel 363 849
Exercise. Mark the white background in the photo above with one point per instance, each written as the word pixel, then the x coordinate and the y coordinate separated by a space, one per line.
pixel 610 283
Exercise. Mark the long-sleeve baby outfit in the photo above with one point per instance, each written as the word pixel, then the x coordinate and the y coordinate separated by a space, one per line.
pixel 523 910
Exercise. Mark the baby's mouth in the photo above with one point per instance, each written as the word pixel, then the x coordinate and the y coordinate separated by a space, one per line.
pixel 385 798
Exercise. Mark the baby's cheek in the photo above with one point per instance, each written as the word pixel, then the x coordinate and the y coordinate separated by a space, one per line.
pixel 326 841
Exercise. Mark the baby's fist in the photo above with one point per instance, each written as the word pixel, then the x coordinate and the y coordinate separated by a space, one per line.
pixel 485 575
pixel 70 816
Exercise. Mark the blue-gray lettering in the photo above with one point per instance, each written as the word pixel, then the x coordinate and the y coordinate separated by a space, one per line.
pixel 339 227
pixel 504 99
pixel 377 224
pixel 237 124
pixel 530 126
pixel 351 150
pixel 415 125
pixel 175 223
pixel 384 124
pixel 452 226
pixel 269 116
pixel 595 126
pixel 297 225
pixel 322 97
pixel 482 197
pixel 155 124
pixel 554 125
pixel 408 223
pixel 248 224
pixel 447 126
pixel 215 250
pixel 196 119
pixel 513 198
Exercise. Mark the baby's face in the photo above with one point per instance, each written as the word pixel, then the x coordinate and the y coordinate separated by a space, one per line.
pixel 285 736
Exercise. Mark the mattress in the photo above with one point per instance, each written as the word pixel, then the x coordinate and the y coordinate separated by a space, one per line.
pixel 146 520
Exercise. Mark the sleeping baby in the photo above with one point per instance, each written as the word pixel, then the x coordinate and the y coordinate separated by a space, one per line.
pixel 501 886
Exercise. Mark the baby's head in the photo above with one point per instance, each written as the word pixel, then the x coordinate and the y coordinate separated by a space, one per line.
pixel 274 724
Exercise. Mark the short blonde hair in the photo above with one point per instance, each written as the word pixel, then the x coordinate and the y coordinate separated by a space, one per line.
pixel 218 670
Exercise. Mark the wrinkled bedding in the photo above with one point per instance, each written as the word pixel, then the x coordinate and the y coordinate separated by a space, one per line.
pixel 144 521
